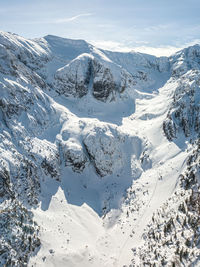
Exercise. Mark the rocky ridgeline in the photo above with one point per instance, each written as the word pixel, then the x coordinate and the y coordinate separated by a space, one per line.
pixel 184 111
pixel 183 115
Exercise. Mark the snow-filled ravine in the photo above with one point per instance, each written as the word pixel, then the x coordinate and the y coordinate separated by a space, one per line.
pixel 93 144
pixel 74 232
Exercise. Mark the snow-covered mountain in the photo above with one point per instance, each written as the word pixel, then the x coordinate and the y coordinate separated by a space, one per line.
pixel 99 157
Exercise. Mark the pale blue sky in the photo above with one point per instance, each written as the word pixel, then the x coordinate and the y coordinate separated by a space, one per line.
pixel 111 24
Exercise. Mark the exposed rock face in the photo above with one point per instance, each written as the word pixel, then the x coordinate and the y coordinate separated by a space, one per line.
pixel 185 60
pixel 169 128
pixel 86 73
pixel 47 155
pixel 184 111
pixel 103 82
pixel 104 148
pixel 74 155
pixel 4 182
pixel 74 78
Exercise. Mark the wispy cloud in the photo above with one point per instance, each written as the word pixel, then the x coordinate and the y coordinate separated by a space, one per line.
pixel 64 20
pixel 57 20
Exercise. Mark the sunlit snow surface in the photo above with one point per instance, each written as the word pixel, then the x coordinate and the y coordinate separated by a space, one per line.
pixel 94 214
pixel 70 221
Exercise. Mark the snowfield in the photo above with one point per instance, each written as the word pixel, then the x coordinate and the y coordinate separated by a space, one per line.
pixel 93 144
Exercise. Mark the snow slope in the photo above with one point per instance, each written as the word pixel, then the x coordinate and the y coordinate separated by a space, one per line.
pixel 90 147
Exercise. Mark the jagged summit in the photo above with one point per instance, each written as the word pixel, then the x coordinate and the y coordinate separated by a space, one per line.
pixel 67 49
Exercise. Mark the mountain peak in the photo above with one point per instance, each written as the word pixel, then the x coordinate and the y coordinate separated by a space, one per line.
pixel 54 38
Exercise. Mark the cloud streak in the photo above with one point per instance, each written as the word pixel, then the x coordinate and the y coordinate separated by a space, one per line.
pixel 65 20
pixel 57 20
